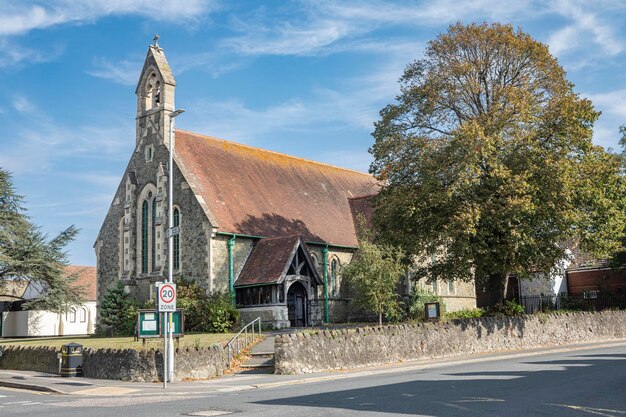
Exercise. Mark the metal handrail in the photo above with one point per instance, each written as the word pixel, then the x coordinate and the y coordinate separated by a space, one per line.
pixel 244 330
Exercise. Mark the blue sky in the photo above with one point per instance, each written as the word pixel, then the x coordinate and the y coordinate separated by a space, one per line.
pixel 304 77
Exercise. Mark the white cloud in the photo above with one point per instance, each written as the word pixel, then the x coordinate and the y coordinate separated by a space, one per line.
pixel 122 72
pixel 12 54
pixel 43 143
pixel 22 17
pixel 612 102
pixel 587 29
pixel 327 27
pixel 23 105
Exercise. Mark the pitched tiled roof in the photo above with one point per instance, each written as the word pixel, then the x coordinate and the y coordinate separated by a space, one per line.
pixel 362 206
pixel 268 261
pixel 256 192
pixel 85 279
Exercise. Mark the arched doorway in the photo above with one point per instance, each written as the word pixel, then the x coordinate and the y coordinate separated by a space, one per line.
pixel 296 305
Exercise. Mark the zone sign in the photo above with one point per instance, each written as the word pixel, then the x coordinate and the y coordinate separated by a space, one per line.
pixel 167 297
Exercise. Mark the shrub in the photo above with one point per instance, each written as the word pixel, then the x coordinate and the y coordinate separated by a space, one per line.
pixel 222 315
pixel 466 313
pixel 118 312
pixel 509 308
pixel 214 313
pixel 417 301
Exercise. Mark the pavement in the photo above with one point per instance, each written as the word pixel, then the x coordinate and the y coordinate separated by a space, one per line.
pixel 79 386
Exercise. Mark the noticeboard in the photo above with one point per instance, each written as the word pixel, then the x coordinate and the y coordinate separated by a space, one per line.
pixel 149 324
pixel 431 311
pixel 178 323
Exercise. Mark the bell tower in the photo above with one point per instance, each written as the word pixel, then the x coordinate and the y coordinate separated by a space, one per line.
pixel 155 96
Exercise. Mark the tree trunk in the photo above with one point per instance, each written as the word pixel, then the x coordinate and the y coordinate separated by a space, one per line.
pixel 380 315
pixel 504 286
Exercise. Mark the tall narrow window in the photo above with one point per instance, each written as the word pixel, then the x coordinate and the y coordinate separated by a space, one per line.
pixel 144 237
pixel 333 277
pixel 122 245
pixel 176 240
pixel 153 231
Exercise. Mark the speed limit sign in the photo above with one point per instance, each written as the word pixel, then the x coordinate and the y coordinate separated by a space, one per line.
pixel 167 297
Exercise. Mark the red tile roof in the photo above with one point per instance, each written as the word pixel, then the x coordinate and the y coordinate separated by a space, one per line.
pixel 268 261
pixel 256 192
pixel 85 279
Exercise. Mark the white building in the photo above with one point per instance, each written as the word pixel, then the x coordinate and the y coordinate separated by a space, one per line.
pixel 79 320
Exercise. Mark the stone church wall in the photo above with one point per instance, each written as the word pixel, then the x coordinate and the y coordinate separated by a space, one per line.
pixel 195 229
pixel 219 257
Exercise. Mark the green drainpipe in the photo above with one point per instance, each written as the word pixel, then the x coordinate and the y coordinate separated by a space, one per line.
pixel 325 256
pixel 231 269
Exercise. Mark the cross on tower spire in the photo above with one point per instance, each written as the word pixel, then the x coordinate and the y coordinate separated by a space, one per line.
pixel 155 39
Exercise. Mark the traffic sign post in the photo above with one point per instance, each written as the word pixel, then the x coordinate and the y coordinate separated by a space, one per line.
pixel 167 297
pixel 166 292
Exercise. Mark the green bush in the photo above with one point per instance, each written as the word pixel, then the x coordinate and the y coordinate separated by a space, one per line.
pixel 466 313
pixel 417 301
pixel 213 313
pixel 221 313
pixel 509 308
pixel 118 312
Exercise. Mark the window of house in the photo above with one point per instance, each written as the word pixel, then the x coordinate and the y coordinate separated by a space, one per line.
pixel 451 287
pixel 434 287
pixel 176 240
pixel 83 315
pixel 72 316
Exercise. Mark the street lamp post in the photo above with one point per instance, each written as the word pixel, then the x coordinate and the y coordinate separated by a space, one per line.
pixel 170 247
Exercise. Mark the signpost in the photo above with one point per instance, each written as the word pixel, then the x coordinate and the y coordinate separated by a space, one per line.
pixel 167 303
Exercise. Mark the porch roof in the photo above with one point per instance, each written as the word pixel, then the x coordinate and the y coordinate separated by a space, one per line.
pixel 270 259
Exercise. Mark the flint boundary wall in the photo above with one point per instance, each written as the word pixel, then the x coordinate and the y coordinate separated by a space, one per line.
pixel 352 348
pixel 121 364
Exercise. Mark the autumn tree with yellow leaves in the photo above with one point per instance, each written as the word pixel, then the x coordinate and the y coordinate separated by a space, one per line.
pixel 487 160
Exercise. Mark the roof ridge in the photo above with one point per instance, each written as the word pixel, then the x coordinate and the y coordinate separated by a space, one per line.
pixel 256 148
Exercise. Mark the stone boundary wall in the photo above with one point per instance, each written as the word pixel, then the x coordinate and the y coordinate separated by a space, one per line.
pixel 351 348
pixel 121 364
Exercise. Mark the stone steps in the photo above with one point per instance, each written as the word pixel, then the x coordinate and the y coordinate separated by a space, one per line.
pixel 261 357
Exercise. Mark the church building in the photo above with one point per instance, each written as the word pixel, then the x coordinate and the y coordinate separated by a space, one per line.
pixel 271 229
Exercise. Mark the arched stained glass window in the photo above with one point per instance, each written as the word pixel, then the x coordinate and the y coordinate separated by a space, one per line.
pixel 333 276
pixel 153 231
pixel 176 239
pixel 144 237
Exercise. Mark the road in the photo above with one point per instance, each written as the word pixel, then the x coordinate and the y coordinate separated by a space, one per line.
pixel 587 382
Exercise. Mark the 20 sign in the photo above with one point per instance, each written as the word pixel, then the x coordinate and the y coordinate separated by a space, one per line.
pixel 167 297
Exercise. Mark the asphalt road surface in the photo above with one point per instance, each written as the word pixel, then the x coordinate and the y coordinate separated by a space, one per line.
pixel 589 382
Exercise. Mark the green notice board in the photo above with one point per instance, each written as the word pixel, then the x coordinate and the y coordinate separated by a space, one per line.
pixel 178 322
pixel 149 323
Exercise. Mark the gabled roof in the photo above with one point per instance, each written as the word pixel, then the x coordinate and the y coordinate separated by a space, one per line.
pixel 270 259
pixel 86 280
pixel 257 192
pixel 25 289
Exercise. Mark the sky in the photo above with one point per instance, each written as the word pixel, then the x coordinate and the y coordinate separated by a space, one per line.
pixel 306 78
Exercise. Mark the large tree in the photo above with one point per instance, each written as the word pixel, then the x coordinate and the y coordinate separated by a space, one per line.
pixel 487 160
pixel 27 254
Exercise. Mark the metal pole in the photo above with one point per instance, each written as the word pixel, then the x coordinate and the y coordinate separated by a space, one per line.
pixel 164 351
pixel 170 240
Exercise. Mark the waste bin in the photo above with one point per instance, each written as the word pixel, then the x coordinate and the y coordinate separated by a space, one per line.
pixel 72 360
